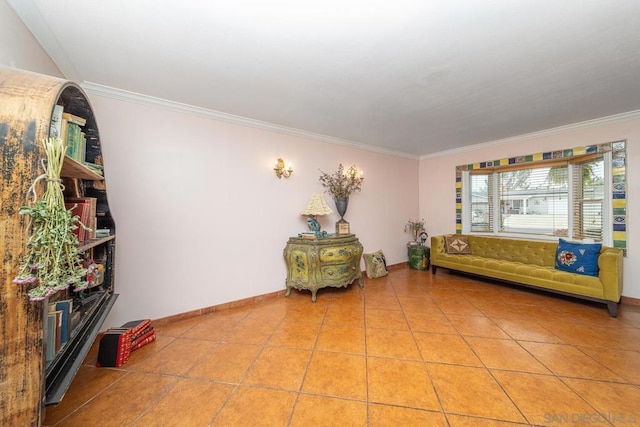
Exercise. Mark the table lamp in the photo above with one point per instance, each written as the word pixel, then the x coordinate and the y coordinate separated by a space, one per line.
pixel 316 207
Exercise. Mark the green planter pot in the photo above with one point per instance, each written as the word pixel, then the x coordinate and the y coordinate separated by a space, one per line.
pixel 419 257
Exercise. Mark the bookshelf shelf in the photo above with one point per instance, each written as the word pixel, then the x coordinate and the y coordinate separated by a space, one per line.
pixel 73 169
pixel 39 357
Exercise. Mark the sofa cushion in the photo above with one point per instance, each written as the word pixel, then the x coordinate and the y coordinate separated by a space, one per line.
pixel 457 245
pixel 376 264
pixel 581 258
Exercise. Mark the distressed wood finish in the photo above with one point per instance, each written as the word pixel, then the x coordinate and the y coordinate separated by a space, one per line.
pixel 26 104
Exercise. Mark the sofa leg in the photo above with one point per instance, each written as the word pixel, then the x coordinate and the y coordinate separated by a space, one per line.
pixel 433 269
pixel 613 308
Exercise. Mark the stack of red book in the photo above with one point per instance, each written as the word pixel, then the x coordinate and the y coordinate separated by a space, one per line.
pixel 117 344
pixel 142 333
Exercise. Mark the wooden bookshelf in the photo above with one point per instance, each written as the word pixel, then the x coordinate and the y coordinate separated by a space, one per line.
pixel 33 377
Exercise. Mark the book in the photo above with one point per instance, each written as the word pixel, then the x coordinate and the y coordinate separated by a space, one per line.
pixel 55 130
pixel 137 325
pixel 71 118
pixel 143 335
pixel 50 339
pixel 86 211
pixel 81 210
pixel 66 307
pixel 114 348
pixel 142 343
pixel 58 330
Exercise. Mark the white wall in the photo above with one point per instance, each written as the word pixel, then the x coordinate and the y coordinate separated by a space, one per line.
pixel 437 177
pixel 18 47
pixel 201 217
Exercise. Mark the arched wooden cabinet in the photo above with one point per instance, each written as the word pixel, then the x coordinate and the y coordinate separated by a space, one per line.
pixel 32 373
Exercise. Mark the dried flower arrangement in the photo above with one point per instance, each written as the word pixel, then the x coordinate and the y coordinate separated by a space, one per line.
pixel 415 227
pixel 52 261
pixel 341 183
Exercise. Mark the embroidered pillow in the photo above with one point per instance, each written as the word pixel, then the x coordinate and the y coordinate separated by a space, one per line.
pixel 376 264
pixel 457 245
pixel 581 258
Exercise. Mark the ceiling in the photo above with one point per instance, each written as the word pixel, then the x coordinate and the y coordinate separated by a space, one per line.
pixel 414 77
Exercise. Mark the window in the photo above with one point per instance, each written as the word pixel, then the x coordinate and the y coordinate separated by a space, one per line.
pixel 566 198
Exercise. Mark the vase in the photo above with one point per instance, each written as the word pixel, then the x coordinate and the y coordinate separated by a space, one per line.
pixel 341 206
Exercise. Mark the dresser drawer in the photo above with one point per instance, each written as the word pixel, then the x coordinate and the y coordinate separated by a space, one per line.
pixel 338 253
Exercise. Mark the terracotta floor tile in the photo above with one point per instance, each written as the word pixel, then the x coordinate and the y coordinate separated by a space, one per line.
pixel 466 421
pixel 272 311
pixel 346 339
pixel 328 411
pixel 88 383
pixel 623 362
pixel 307 312
pixel 138 356
pixel 385 319
pixel 228 362
pixel 514 357
pixel 189 403
pixel 472 391
pixel 387 415
pixel 401 383
pixel 500 310
pixel 421 304
pixel 177 328
pixel 383 302
pixel 476 326
pixel 527 330
pixel 215 325
pixel 336 375
pixel 115 407
pixel 430 322
pixel 177 357
pixel 458 306
pixel 445 348
pixel 254 406
pixel 543 399
pixel 391 343
pixel 295 334
pixel 252 331
pixel 279 367
pixel 568 361
pixel 617 403
pixel 344 316
pixel 505 354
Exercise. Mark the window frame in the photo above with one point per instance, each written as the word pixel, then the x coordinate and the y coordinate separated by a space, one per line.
pixel 614 198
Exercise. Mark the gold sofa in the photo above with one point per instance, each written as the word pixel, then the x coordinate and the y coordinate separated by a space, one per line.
pixel 532 263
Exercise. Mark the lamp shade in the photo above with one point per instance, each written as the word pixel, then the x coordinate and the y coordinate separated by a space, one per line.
pixel 317 206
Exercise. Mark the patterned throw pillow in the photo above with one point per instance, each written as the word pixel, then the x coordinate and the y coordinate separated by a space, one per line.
pixel 581 258
pixel 457 245
pixel 376 264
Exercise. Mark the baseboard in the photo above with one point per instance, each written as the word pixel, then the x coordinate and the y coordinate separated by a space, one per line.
pixel 630 301
pixel 398 266
pixel 163 321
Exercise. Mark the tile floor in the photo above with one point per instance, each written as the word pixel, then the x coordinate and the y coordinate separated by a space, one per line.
pixel 408 349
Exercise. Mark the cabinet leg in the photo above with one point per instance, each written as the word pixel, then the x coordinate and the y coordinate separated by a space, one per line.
pixel 360 282
pixel 313 296
pixel 288 292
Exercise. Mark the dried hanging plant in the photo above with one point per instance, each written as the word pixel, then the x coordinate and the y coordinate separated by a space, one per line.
pixel 52 262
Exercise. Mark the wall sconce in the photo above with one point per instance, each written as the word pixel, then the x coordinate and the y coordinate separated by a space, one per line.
pixel 281 169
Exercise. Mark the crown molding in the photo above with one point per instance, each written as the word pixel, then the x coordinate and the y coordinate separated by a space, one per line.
pixel 616 118
pixel 126 96
pixel 30 14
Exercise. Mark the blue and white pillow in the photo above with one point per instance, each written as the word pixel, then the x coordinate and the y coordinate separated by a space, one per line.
pixel 581 258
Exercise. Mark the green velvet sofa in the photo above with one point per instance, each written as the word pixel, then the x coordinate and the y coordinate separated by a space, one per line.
pixel 532 263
